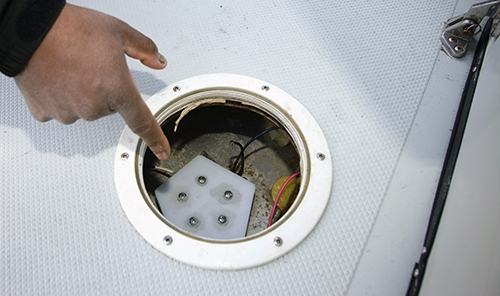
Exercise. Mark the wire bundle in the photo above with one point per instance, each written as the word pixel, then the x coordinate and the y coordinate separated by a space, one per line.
pixel 241 156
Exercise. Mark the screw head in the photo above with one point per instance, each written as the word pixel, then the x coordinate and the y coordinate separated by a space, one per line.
pixel 228 195
pixel 416 273
pixel 458 48
pixel 193 222
pixel 182 197
pixel 265 88
pixel 176 88
pixel 321 156
pixel 278 241
pixel 124 156
pixel 167 240
pixel 202 180
pixel 452 39
pixel 222 220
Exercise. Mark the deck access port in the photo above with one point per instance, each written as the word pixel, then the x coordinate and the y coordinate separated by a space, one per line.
pixel 250 173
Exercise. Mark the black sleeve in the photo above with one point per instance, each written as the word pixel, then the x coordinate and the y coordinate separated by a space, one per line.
pixel 23 25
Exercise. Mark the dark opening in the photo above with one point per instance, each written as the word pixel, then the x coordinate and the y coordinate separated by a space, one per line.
pixel 208 130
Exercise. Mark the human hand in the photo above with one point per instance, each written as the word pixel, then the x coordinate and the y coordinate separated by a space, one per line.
pixel 80 71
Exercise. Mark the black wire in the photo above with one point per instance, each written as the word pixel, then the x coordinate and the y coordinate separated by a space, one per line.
pixel 237 157
pixel 241 155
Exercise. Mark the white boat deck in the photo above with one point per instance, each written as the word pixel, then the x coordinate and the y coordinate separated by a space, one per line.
pixel 372 75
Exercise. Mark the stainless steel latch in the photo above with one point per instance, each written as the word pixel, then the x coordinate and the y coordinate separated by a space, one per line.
pixel 459 29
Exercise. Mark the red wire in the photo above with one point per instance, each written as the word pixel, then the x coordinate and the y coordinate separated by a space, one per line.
pixel 278 196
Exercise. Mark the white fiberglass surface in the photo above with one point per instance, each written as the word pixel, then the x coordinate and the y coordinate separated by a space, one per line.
pixel 360 68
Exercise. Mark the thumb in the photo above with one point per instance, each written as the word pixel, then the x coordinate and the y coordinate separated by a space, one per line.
pixel 140 47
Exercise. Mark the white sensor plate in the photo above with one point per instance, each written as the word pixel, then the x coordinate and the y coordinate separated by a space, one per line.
pixel 207 200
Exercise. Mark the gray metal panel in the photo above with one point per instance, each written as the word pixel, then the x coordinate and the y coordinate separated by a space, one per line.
pixel 465 258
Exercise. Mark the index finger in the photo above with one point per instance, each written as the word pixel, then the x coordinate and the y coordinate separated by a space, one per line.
pixel 142 122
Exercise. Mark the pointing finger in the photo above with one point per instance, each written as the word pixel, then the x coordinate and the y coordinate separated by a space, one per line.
pixel 142 122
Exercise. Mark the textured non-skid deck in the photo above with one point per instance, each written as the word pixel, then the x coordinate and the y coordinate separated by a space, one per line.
pixel 361 69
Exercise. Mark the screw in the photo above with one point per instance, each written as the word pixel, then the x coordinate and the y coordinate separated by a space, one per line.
pixel 222 220
pixel 321 156
pixel 125 156
pixel 474 69
pixel 202 180
pixel 182 197
pixel 265 87
pixel 416 273
pixel 228 195
pixel 424 250
pixel 452 39
pixel 278 242
pixel 177 88
pixel 167 240
pixel 458 48
pixel 193 222
pixel 469 30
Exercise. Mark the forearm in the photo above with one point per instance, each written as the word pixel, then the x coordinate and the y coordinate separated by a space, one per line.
pixel 23 26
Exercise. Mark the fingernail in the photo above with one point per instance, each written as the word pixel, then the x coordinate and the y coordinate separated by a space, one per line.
pixel 161 58
pixel 162 155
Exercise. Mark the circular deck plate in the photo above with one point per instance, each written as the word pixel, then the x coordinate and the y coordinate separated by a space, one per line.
pixel 250 251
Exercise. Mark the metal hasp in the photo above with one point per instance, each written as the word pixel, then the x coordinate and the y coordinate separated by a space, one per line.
pixel 459 29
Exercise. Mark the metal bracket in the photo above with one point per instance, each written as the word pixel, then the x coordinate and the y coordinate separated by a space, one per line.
pixel 459 29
